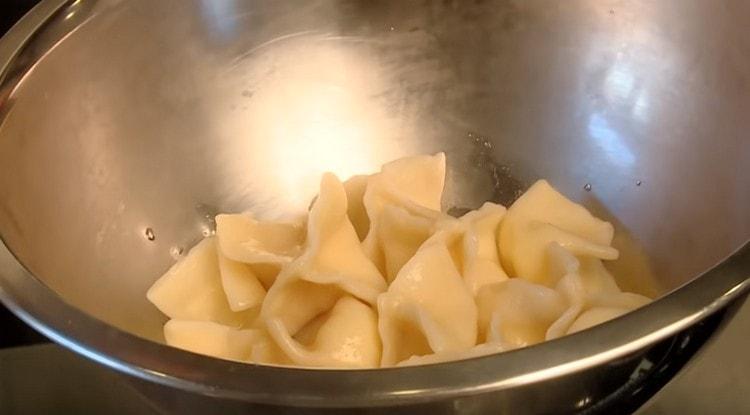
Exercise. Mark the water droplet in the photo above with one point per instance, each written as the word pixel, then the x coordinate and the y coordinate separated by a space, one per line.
pixel 176 251
pixel 587 187
pixel 638 183
pixel 206 231
pixel 487 144
pixel 210 220
pixel 150 234
pixel 392 28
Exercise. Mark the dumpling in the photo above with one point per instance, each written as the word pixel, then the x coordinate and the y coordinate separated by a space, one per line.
pixel 241 285
pixel 427 309
pixel 483 349
pixel 541 216
pixel 355 189
pixel 416 180
pixel 209 338
pixel 213 339
pixel 586 286
pixel 412 183
pixel 594 316
pixel 377 275
pixel 517 313
pixel 244 239
pixel 251 254
pixel 265 351
pixel 346 337
pixel 333 264
pixel 191 289
pixel 400 234
pixel 481 263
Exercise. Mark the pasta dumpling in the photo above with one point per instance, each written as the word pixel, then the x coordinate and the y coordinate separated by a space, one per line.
pixel 241 286
pixel 517 313
pixel 251 254
pixel 587 285
pixel 355 189
pixel 427 309
pixel 481 263
pixel 206 337
pixel 412 183
pixel 541 216
pixel 192 290
pixel 347 336
pixel 476 351
pixel 244 239
pixel 400 234
pixel 333 264
pixel 377 275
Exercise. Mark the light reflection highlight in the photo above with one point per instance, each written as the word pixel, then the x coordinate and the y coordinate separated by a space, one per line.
pixel 308 105
pixel 219 16
pixel 610 141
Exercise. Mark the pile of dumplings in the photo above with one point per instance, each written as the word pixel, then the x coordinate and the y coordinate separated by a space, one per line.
pixel 376 276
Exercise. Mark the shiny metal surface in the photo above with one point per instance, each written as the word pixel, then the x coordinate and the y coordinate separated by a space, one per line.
pixel 123 116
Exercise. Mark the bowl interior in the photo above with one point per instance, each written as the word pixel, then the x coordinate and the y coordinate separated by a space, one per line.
pixel 157 115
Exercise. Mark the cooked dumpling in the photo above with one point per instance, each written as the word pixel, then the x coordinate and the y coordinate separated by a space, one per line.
pixel 241 286
pixel 355 189
pixel 251 254
pixel 306 295
pixel 476 351
pixel 191 289
pixel 586 285
pixel 209 338
pixel 265 350
pixel 412 183
pixel 481 263
pixel 212 339
pixel 417 180
pixel 400 234
pixel 540 216
pixel 427 309
pixel 244 239
pixel 333 264
pixel 346 337
pixel 594 316
pixel 517 313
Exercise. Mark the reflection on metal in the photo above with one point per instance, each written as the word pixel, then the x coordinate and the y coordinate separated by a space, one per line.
pixel 619 83
pixel 609 141
pixel 153 108
pixel 219 15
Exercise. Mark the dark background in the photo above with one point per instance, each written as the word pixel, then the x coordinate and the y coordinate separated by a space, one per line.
pixel 13 332
pixel 12 10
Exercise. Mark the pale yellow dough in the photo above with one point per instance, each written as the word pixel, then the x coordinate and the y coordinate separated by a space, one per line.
pixel 377 275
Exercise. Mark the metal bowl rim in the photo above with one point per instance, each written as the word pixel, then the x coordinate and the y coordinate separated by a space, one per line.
pixel 36 304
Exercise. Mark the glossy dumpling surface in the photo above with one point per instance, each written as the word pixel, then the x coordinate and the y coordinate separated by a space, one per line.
pixel 376 275
pixel 242 238
pixel 542 216
pixel 414 184
pixel 191 289
pixel 427 309
pixel 333 264
pixel 347 337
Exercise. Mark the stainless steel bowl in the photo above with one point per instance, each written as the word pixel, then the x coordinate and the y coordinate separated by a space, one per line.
pixel 122 117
